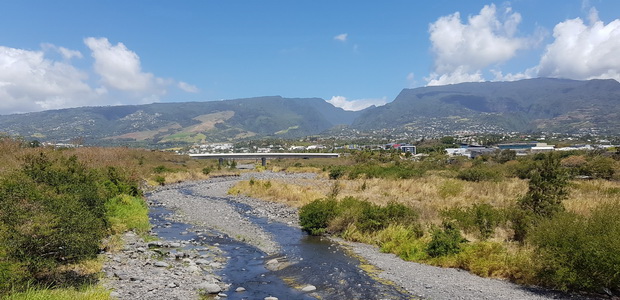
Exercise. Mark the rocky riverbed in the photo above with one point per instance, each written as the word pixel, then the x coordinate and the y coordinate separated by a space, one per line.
pixel 185 267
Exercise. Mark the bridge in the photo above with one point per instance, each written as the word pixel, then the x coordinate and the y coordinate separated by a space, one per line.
pixel 263 155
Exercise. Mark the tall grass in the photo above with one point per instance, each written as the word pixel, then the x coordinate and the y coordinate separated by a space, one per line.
pixel 128 213
pixel 88 293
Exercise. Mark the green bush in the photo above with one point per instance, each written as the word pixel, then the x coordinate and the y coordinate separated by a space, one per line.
pixel 391 171
pixel 162 169
pixel 314 217
pixel 445 241
pixel 161 180
pixel 320 215
pixel 206 170
pixel 578 252
pixel 336 172
pixel 54 213
pixel 479 173
pixel 481 219
pixel 600 167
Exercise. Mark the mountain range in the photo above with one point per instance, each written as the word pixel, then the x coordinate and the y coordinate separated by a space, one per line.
pixel 542 104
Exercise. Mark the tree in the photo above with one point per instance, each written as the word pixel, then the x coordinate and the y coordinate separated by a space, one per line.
pixel 547 187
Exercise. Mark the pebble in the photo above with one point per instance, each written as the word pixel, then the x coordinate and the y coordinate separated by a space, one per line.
pixel 308 288
pixel 161 264
pixel 240 289
pixel 210 288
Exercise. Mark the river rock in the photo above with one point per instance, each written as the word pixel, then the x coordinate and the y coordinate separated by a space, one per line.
pixel 192 269
pixel 309 288
pixel 210 288
pixel 240 289
pixel 161 264
pixel 271 298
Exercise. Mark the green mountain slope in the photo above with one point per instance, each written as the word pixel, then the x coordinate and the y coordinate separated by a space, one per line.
pixel 186 122
pixel 541 104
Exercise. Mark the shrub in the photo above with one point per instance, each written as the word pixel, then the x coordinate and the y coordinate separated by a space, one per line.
pixel 479 173
pixel 600 167
pixel 206 170
pixel 161 169
pixel 314 217
pixel 391 171
pixel 336 172
pixel 479 218
pixel 523 169
pixel 578 252
pixel 161 180
pixel 445 241
pixel 321 215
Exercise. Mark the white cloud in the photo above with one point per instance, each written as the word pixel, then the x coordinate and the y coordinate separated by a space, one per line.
pixel 32 81
pixel 67 54
pixel 462 50
pixel 187 87
pixel 527 74
pixel 341 37
pixel 457 76
pixel 119 67
pixel 583 51
pixel 355 105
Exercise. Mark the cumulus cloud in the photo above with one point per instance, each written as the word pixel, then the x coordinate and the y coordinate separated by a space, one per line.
pixel 355 105
pixel 583 51
pixel 462 50
pixel 34 80
pixel 119 67
pixel 30 82
pixel 341 37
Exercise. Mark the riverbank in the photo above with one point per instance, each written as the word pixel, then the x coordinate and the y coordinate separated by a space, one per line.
pixel 207 205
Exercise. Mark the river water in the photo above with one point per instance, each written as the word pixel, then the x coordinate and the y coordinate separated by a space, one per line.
pixel 305 260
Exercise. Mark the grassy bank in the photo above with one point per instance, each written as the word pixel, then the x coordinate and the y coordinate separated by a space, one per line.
pixel 524 220
pixel 61 207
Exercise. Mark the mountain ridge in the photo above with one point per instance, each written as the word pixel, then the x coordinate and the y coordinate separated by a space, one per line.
pixel 530 105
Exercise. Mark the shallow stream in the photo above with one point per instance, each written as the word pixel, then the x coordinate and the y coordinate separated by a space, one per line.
pixel 303 260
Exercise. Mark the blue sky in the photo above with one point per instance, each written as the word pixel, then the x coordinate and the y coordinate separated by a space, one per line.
pixel 57 54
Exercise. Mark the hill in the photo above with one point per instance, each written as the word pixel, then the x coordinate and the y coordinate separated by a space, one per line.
pixel 186 122
pixel 542 104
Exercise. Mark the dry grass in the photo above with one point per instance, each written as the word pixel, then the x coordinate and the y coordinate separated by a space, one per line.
pixel 428 195
pixel 586 195
pixel 292 194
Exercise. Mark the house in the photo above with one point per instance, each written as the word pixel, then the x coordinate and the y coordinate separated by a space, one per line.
pixel 469 151
pixel 401 147
pixel 408 148
pixel 542 148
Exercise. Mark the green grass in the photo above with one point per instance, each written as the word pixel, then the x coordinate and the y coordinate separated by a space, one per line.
pixel 88 293
pixel 128 213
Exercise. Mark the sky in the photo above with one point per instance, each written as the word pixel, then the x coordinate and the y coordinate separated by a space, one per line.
pixel 352 53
